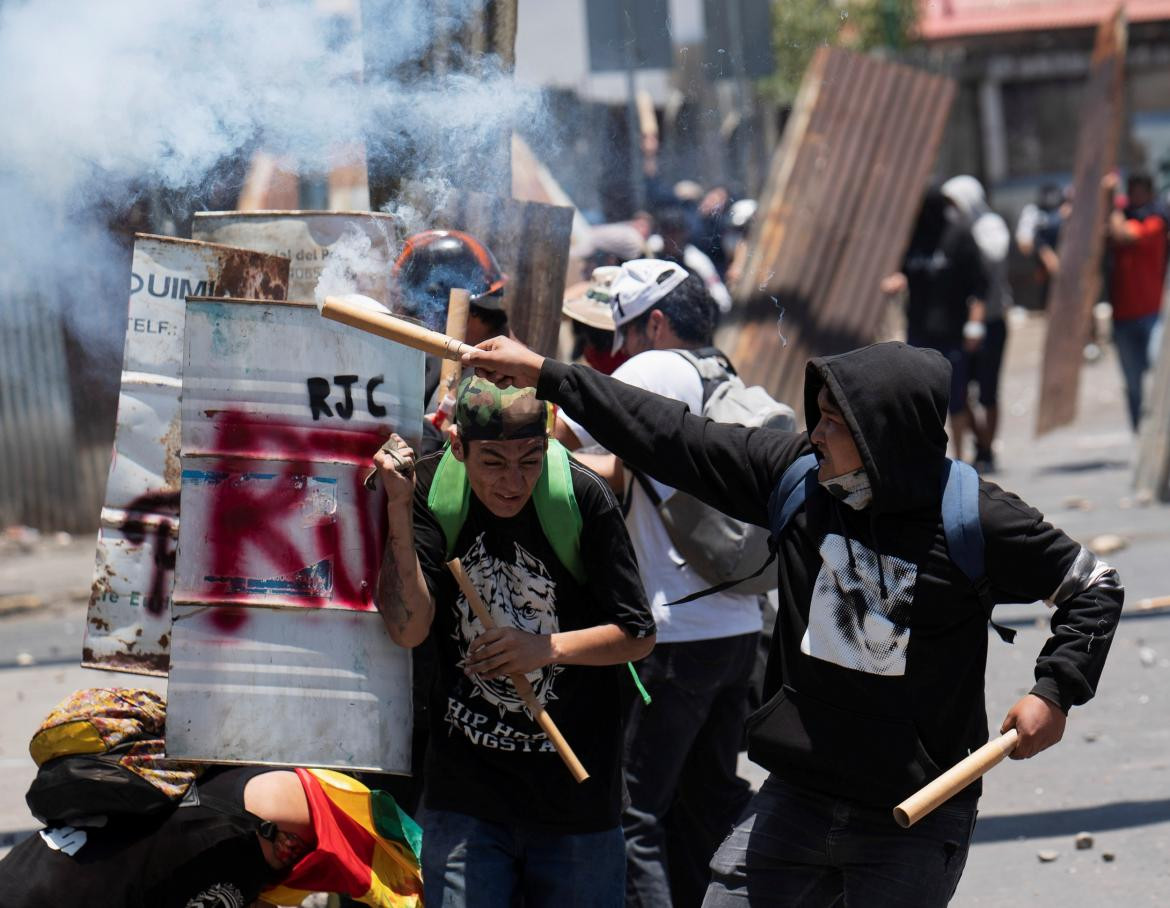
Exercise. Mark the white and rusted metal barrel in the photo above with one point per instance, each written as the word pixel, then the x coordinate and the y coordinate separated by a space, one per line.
pixel 307 238
pixel 278 653
pixel 129 620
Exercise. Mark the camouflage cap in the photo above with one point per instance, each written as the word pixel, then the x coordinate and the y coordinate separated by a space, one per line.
pixel 489 413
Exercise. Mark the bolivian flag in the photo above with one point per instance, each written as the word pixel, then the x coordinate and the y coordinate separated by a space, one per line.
pixel 366 849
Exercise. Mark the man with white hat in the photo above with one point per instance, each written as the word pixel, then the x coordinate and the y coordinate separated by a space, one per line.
pixel 681 751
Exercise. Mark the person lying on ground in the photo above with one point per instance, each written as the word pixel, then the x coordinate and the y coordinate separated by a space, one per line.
pixel 876 672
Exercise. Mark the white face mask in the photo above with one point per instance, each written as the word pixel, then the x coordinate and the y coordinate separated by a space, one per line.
pixel 852 488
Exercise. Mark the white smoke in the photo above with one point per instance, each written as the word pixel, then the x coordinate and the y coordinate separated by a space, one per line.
pixel 348 267
pixel 106 102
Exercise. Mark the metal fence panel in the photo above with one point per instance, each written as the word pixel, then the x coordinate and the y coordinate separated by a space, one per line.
pixel 281 543
pixel 40 484
pixel 128 625
pixel 835 215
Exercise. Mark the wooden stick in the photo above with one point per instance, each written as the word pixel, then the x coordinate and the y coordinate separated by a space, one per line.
pixel 523 687
pixel 369 315
pixel 954 780
pixel 458 307
pixel 1157 603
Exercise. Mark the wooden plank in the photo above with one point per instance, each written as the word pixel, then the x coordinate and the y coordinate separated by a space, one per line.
pixel 530 240
pixel 841 195
pixel 1082 241
pixel 1151 476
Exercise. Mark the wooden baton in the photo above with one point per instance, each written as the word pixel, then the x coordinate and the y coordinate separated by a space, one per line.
pixel 369 315
pixel 458 308
pixel 955 779
pixel 522 685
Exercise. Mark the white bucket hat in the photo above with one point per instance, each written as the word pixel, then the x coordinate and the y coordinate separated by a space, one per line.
pixel 641 284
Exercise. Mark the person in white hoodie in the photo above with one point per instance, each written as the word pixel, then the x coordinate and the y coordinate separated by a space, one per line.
pixel 994 239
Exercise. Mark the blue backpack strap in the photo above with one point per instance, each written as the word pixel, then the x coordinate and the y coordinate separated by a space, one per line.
pixel 964 534
pixel 790 493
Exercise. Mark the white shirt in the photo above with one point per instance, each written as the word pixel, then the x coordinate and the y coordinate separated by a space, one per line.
pixel 665 574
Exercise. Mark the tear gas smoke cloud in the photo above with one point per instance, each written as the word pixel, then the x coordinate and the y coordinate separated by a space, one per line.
pixel 106 102
pixel 349 261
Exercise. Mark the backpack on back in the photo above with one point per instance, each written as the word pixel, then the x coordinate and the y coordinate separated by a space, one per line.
pixel 449 497
pixel 101 752
pixel 719 548
pixel 960 519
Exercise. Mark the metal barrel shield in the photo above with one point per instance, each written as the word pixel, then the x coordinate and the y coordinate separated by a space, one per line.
pixel 129 621
pixel 278 653
pixel 307 238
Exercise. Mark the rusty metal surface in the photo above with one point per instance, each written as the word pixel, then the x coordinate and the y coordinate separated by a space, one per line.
pixel 306 238
pixel 128 624
pixel 1077 284
pixel 278 655
pixel 531 242
pixel 835 215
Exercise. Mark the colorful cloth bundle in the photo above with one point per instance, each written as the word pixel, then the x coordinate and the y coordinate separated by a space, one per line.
pixel 367 848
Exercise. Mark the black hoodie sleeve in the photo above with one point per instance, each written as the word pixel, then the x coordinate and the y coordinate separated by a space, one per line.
pixel 729 467
pixel 1029 559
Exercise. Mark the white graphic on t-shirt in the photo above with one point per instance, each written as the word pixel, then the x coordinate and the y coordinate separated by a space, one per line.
pixel 219 895
pixel 849 624
pixel 518 594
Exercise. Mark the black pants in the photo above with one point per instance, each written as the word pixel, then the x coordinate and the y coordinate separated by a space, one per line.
pixel 798 847
pixel 680 764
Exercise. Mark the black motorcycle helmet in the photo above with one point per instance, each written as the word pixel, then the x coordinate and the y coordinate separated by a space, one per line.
pixel 434 261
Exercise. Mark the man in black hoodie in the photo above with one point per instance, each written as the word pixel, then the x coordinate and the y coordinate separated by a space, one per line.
pixel 876 672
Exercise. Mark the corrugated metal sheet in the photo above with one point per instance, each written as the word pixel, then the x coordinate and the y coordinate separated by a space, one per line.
pixel 835 215
pixel 40 484
pixel 129 622
pixel 531 242
pixel 281 543
pixel 1077 284
pixel 305 238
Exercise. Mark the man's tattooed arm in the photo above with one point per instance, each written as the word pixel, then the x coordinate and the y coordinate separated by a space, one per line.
pixel 403 598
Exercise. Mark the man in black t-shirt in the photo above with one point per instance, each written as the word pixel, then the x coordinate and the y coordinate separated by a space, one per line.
pixel 502 815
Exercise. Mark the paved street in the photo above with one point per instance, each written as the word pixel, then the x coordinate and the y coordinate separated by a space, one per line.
pixel 1110 777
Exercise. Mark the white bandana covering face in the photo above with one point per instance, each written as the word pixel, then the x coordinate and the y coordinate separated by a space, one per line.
pixel 852 488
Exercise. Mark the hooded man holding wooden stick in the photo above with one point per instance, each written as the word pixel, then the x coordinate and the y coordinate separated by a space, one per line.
pixel 544 544
pixel 876 671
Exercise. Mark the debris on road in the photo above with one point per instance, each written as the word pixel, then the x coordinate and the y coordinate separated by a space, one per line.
pixel 15 603
pixel 1047 856
pixel 1107 544
pixel 1083 841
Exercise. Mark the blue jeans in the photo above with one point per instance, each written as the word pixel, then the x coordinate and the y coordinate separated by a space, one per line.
pixel 798 847
pixel 1134 339
pixel 680 766
pixel 471 863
